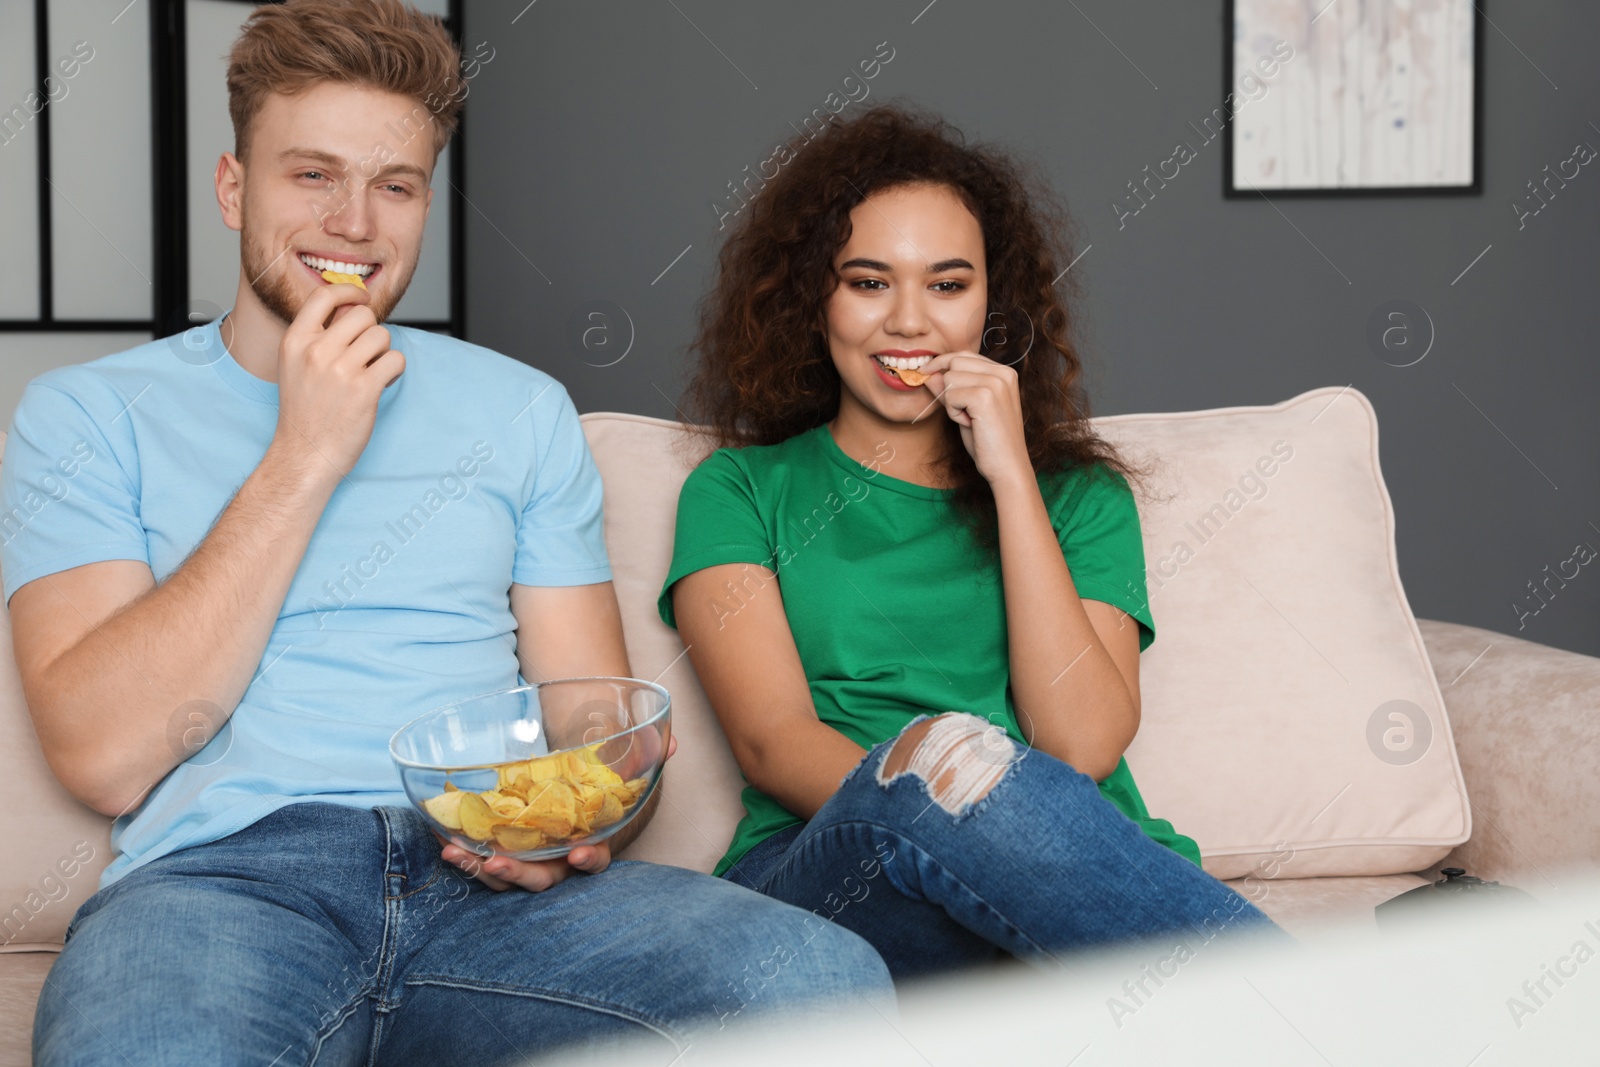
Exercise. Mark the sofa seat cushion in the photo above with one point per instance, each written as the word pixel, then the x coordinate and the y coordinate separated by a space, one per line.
pixel 1316 908
pixel 21 978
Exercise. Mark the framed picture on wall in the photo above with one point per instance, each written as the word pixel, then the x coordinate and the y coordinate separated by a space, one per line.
pixel 1342 98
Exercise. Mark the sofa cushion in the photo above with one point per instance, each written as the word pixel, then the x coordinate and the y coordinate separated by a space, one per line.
pixel 22 977
pixel 1528 739
pixel 643 463
pixel 1291 723
pixel 56 847
pixel 1324 908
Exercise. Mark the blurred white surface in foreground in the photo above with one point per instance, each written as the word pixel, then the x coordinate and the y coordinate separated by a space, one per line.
pixel 1479 985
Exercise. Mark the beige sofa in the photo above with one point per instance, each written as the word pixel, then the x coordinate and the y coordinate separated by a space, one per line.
pixel 1318 742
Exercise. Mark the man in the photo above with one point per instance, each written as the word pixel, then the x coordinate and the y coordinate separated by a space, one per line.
pixel 268 543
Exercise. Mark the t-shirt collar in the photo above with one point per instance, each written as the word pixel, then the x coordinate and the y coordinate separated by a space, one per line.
pixel 205 342
pixel 830 448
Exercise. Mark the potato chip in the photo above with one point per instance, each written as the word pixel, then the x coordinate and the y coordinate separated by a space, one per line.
pixel 589 797
pixel 553 809
pixel 518 838
pixel 348 279
pixel 611 809
pixel 506 806
pixel 547 768
pixel 910 376
pixel 446 807
pixel 594 774
pixel 540 802
pixel 477 821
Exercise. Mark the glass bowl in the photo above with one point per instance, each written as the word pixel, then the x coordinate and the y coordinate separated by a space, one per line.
pixel 534 772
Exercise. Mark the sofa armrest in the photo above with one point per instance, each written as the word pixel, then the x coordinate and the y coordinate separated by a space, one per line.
pixel 1526 720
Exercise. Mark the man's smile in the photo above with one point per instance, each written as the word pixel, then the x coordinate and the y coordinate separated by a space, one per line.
pixel 317 264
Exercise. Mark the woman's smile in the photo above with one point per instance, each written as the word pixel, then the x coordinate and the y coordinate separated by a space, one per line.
pixel 891 358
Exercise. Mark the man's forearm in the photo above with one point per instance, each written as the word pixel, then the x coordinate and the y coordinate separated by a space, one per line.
pixel 105 706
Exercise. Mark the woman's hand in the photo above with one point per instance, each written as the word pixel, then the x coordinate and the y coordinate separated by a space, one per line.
pixel 981 396
pixel 502 872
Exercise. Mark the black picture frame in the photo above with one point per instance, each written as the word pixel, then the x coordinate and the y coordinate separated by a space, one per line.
pixel 169 310
pixel 1475 188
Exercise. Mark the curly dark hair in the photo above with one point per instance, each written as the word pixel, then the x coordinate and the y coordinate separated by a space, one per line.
pixel 763 372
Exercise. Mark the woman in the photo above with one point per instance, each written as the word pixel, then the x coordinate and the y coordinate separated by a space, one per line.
pixel 917 609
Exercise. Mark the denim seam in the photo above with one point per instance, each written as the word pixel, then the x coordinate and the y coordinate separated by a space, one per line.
pixel 410 892
pixel 387 943
pixel 333 1027
pixel 793 853
pixel 536 993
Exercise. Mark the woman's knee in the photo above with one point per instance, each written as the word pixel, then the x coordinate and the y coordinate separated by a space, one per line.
pixel 957 756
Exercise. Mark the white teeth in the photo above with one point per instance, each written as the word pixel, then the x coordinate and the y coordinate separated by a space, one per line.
pixel 903 362
pixel 318 263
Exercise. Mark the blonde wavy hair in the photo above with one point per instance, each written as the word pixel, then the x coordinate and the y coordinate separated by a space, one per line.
pixel 379 44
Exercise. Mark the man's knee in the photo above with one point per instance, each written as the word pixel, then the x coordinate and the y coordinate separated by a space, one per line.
pixel 958 757
pixel 836 958
pixel 828 967
pixel 812 967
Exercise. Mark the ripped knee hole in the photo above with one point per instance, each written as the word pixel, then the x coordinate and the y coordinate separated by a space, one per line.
pixel 955 757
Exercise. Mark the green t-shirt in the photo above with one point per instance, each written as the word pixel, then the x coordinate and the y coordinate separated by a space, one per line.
pixel 894 610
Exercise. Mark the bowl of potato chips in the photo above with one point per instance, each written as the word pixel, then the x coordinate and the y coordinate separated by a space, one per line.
pixel 535 771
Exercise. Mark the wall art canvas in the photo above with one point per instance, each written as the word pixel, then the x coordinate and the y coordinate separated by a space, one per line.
pixel 1377 97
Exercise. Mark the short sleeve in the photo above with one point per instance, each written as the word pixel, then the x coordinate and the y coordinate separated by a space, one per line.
pixel 1097 522
pixel 719 521
pixel 65 498
pixel 561 535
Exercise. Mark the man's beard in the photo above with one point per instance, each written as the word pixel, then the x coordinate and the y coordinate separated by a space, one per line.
pixel 269 273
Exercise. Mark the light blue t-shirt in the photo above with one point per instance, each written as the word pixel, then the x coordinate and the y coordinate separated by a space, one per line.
pixel 477 475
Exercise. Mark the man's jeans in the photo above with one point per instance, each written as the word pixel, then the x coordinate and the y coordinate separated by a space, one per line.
pixel 1038 865
pixel 336 935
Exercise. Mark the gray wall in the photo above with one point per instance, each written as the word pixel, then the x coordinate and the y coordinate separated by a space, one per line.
pixel 601 133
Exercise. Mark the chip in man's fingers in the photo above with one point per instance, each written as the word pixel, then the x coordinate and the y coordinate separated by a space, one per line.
pixel 337 278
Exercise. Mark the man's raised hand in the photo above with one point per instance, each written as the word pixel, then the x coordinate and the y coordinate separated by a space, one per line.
pixel 333 364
